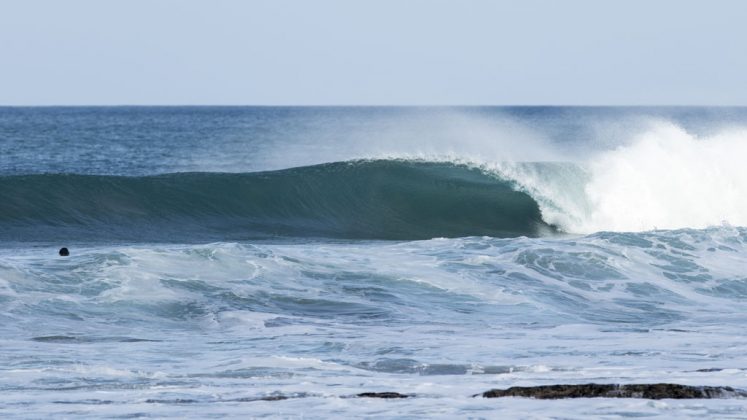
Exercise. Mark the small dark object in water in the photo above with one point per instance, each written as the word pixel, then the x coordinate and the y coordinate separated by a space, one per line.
pixel 273 398
pixel 174 401
pixel 649 391
pixel 64 252
pixel 382 395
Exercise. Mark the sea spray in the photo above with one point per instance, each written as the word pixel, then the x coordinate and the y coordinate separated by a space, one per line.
pixel 664 178
pixel 667 179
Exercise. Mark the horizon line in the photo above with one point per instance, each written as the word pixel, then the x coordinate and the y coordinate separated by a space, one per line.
pixel 373 105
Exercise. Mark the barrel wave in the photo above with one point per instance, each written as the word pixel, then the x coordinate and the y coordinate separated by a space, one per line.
pixel 382 199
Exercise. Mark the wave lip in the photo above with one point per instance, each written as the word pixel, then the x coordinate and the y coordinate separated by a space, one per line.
pixel 380 199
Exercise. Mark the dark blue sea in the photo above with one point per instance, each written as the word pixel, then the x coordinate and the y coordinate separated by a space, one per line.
pixel 239 262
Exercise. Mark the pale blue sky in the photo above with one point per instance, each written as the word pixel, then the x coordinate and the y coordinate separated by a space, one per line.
pixel 286 52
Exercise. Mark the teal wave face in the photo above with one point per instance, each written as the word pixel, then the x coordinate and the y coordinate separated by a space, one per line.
pixel 348 200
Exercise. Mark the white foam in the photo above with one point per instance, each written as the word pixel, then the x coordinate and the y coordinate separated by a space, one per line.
pixel 668 178
pixel 663 178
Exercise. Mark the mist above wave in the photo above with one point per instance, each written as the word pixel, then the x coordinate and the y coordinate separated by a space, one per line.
pixel 628 173
pixel 655 175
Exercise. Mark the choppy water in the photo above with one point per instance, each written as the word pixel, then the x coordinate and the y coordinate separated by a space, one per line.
pixel 434 252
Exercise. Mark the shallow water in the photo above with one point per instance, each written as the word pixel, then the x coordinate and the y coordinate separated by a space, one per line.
pixel 125 329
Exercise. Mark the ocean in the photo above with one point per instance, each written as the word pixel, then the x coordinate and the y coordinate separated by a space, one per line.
pixel 241 262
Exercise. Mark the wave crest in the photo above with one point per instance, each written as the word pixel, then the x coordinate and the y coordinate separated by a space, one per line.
pixel 664 178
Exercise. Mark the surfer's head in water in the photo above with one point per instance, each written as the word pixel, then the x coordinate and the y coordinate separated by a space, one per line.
pixel 64 252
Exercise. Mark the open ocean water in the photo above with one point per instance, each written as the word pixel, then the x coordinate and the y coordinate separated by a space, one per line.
pixel 234 262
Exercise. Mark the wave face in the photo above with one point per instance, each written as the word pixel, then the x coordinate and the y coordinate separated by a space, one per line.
pixel 351 200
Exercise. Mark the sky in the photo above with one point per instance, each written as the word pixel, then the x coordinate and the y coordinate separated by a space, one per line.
pixel 373 52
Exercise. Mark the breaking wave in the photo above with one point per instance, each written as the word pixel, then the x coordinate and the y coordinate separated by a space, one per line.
pixel 350 200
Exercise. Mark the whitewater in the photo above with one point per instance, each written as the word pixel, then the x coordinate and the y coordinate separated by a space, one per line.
pixel 239 262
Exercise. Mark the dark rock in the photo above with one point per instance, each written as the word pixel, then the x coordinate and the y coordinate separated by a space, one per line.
pixel 274 398
pixel 56 339
pixel 264 398
pixel 382 395
pixel 174 401
pixel 649 391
